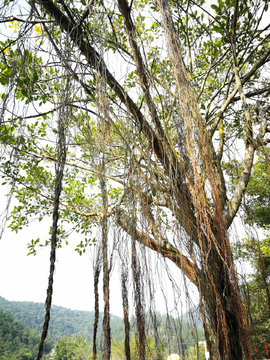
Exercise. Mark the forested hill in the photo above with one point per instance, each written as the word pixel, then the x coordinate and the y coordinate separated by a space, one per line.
pixel 17 341
pixel 64 322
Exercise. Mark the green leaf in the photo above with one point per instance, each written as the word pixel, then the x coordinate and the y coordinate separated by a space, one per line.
pixel 218 29
pixel 216 8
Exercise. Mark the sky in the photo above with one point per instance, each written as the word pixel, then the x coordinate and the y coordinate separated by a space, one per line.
pixel 25 278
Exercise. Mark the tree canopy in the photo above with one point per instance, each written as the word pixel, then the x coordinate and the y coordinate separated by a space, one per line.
pixel 125 120
pixel 256 250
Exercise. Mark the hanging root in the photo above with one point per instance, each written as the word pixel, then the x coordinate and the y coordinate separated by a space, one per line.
pixel 61 151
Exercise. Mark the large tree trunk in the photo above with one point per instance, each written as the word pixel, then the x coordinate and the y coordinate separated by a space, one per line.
pixel 222 302
pixel 221 294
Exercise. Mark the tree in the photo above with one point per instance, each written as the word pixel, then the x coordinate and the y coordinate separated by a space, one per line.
pixel 256 250
pixel 193 353
pixel 118 349
pixel 156 96
pixel 72 348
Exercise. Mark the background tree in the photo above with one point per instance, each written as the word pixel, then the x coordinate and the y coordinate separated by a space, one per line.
pixel 256 250
pixel 190 93
pixel 193 353
pixel 118 349
pixel 72 348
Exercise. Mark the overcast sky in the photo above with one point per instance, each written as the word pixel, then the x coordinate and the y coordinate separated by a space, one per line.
pixel 25 278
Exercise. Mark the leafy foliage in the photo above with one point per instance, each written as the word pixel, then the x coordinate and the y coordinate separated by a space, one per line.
pixel 257 203
pixel 118 349
pixel 72 349
pixel 256 251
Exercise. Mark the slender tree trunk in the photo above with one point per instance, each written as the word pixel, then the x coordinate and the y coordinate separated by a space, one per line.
pixel 158 356
pixel 106 278
pixel 139 306
pixel 125 310
pixel 61 151
pixel 96 281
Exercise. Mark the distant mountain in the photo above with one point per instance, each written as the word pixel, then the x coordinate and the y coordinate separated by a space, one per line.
pixel 63 322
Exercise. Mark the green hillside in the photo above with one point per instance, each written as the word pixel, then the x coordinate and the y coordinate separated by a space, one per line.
pixel 63 322
pixel 17 341
pixel 67 323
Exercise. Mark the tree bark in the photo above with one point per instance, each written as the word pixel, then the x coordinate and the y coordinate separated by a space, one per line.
pixel 221 312
pixel 222 295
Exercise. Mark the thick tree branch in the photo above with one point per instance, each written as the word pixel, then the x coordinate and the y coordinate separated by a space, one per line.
pixel 163 248
pixel 141 69
pixel 252 93
pixel 191 115
pixel 244 79
pixel 250 148
pixel 240 189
